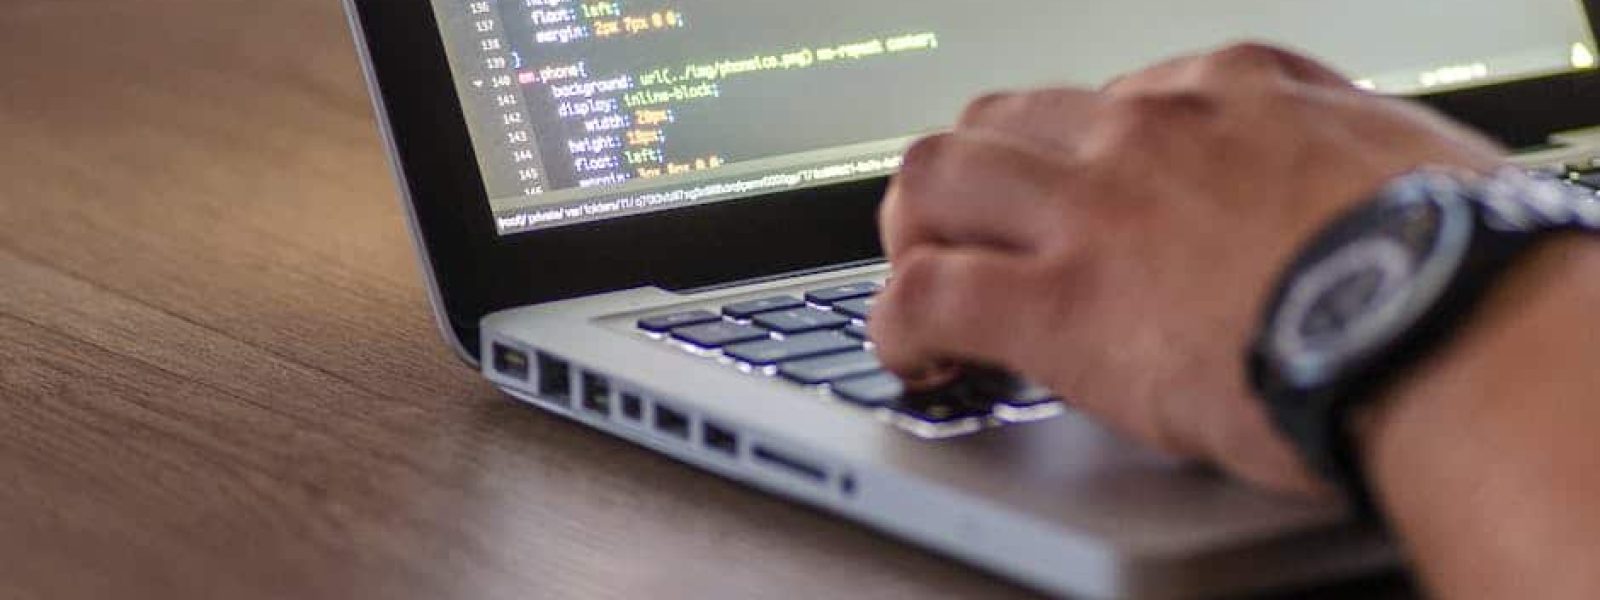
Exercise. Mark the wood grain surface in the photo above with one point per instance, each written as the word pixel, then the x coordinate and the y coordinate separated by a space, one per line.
pixel 219 377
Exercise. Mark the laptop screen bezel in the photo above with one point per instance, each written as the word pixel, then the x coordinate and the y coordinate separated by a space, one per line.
pixel 478 272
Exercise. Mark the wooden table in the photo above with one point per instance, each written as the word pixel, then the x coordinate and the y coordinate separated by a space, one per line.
pixel 219 377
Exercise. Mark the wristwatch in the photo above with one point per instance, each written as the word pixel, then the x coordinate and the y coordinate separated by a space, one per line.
pixel 1386 284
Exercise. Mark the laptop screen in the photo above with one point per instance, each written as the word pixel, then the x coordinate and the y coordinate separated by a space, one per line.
pixel 586 110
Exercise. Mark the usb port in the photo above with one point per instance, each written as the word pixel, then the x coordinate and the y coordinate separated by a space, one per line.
pixel 632 407
pixel 555 378
pixel 596 394
pixel 510 362
pixel 720 439
pixel 672 422
pixel 789 464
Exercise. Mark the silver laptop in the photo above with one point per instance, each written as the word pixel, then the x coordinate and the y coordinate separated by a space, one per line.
pixel 657 218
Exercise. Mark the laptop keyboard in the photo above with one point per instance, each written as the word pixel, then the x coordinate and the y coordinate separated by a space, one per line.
pixel 1583 174
pixel 818 340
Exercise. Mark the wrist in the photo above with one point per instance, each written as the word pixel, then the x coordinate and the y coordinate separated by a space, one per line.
pixel 1528 330
pixel 1483 458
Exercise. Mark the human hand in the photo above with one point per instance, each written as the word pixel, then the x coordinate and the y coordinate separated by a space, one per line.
pixel 1118 245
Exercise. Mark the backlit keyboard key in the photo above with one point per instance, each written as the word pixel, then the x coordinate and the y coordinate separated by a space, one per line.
pixel 719 334
pixel 771 352
pixel 800 320
pixel 881 389
pixel 665 323
pixel 827 297
pixel 937 410
pixel 859 308
pixel 828 369
pixel 1030 395
pixel 1589 180
pixel 745 310
pixel 971 395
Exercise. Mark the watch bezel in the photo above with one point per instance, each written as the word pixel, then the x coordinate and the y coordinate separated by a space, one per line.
pixel 1312 413
pixel 1308 367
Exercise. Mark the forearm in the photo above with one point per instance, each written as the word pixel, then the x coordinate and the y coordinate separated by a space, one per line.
pixel 1487 460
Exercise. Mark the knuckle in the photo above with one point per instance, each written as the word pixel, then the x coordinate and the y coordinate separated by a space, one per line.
pixel 892 220
pixel 985 108
pixel 921 165
pixel 1254 61
pixel 923 157
pixel 1266 67
pixel 1246 55
pixel 914 279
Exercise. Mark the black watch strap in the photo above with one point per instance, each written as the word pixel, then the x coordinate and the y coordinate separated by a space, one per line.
pixel 1510 212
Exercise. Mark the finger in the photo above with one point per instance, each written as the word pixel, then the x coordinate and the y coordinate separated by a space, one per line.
pixel 963 305
pixel 972 188
pixel 1053 118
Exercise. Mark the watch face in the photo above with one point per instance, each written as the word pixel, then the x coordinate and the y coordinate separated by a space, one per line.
pixel 1367 280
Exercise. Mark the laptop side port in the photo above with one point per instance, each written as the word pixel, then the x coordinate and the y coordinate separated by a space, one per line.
pixel 555 378
pixel 671 422
pixel 596 394
pixel 511 362
pixel 632 406
pixel 797 467
pixel 720 439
